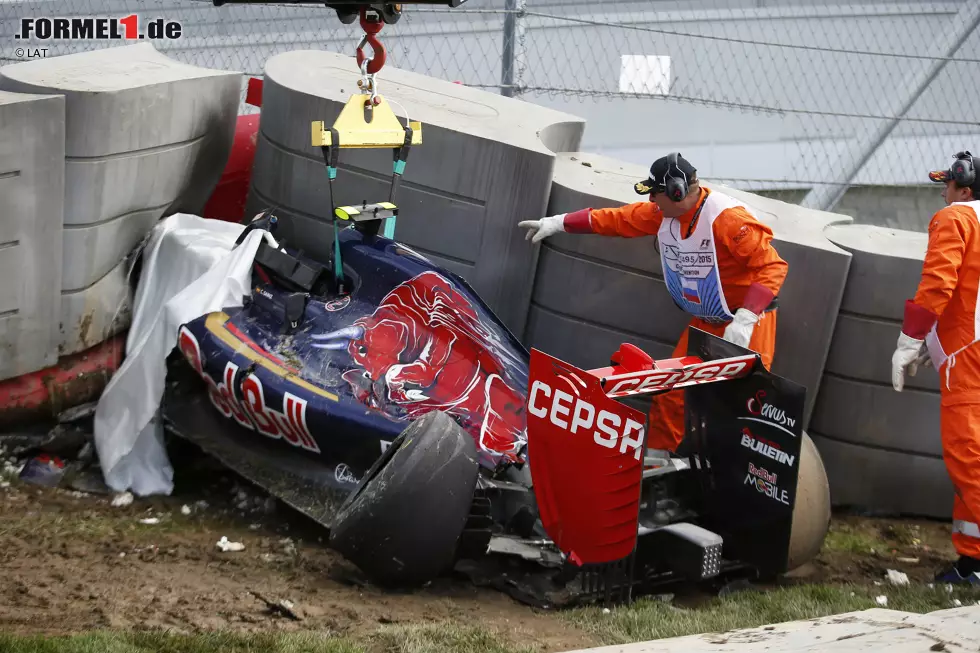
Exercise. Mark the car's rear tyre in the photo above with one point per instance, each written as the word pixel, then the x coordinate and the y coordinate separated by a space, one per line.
pixel 811 512
pixel 402 524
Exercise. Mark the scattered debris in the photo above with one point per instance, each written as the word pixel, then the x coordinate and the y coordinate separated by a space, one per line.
pixel 89 480
pixel 150 520
pixel 910 561
pixel 283 606
pixel 957 603
pixel 897 577
pixel 938 646
pixel 882 601
pixel 606 611
pixel 122 500
pixel 66 441
pixel 43 470
pixel 185 510
pixel 78 412
pixel 87 454
pixel 225 545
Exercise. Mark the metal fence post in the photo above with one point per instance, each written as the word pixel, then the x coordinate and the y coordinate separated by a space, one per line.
pixel 513 59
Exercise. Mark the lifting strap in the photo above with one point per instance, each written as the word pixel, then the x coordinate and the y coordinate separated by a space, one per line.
pixel 331 155
pixel 366 121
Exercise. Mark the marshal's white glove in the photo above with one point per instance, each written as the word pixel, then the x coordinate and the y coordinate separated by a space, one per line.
pixel 909 354
pixel 538 230
pixel 739 331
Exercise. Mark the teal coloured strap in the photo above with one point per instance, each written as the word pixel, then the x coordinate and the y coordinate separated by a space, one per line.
pixel 400 167
pixel 338 265
pixel 389 231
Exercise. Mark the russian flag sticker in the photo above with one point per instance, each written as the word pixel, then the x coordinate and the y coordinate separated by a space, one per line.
pixel 689 288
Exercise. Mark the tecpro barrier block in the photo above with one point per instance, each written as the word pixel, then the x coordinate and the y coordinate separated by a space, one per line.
pixel 612 290
pixel 877 442
pixel 484 164
pixel 94 314
pixel 146 136
pixel 32 183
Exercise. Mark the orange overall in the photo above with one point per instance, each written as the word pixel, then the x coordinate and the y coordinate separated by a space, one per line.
pixel 751 274
pixel 944 312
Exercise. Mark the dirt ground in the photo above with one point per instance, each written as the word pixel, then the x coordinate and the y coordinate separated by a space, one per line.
pixel 72 562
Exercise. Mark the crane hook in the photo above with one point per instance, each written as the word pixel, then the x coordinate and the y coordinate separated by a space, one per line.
pixel 372 26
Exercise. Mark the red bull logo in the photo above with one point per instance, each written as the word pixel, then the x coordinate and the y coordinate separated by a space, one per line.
pixel 254 414
pixel 424 348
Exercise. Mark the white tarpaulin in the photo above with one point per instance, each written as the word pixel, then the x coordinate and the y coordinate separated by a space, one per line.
pixel 191 267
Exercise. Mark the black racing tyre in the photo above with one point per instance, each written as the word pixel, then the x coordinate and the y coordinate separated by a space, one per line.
pixel 402 523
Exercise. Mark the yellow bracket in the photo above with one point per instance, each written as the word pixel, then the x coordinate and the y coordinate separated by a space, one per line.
pixel 384 130
pixel 377 211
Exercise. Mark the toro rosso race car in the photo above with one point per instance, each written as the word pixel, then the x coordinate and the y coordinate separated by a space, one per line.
pixel 376 393
pixel 403 416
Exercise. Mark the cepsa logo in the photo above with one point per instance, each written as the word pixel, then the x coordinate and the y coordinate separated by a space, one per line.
pixel 647 381
pixel 767 413
pixel 610 428
pixel 102 28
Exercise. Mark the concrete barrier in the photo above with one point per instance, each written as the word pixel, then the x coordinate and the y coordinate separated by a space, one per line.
pixel 32 181
pixel 878 443
pixel 146 136
pixel 591 292
pixel 871 630
pixel 485 162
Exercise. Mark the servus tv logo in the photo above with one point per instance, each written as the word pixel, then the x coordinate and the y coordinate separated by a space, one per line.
pixel 766 413
pixel 101 28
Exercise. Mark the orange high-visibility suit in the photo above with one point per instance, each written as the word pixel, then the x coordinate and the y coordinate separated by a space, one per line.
pixel 944 313
pixel 750 270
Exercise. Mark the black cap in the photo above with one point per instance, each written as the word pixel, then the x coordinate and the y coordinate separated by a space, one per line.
pixel 962 161
pixel 672 165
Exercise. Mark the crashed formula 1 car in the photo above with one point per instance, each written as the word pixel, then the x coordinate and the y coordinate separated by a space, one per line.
pixel 376 393
pixel 403 416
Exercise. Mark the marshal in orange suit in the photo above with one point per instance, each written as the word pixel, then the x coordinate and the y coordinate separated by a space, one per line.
pixel 719 265
pixel 942 327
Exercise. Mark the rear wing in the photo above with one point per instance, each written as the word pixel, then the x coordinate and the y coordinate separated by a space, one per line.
pixel 586 449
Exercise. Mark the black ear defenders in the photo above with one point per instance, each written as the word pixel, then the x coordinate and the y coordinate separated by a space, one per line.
pixel 963 170
pixel 676 187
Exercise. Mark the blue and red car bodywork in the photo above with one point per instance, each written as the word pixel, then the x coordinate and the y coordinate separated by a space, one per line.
pixel 312 395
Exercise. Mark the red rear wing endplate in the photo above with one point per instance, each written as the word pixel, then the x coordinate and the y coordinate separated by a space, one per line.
pixel 586 449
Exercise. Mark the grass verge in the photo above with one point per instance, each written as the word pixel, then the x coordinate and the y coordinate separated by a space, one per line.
pixel 645 620
pixel 429 638
pixel 652 619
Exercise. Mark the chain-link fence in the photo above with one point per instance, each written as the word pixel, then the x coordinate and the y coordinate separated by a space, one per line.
pixel 842 106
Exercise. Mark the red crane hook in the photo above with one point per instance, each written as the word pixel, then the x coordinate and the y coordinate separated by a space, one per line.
pixel 380 55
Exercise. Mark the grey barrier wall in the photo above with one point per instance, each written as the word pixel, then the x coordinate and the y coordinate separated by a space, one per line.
pixel 146 136
pixel 882 448
pixel 593 292
pixel 32 181
pixel 485 163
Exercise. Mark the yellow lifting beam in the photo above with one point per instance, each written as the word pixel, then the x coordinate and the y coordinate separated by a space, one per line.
pixel 383 131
